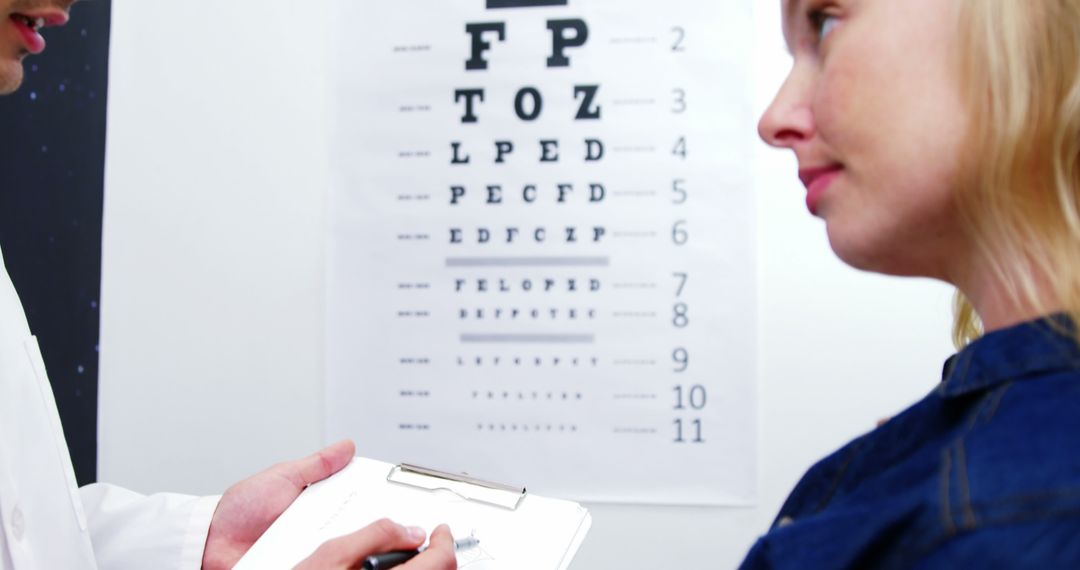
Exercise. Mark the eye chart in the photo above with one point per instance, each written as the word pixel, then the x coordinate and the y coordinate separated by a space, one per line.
pixel 541 250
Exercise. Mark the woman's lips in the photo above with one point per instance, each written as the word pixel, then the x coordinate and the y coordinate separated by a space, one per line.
pixel 32 40
pixel 817 180
pixel 30 24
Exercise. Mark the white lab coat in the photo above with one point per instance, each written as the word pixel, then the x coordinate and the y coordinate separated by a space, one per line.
pixel 47 522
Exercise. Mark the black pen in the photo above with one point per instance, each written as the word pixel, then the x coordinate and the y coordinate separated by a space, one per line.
pixel 391 559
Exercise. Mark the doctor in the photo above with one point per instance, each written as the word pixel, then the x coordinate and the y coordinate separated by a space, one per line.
pixel 48 523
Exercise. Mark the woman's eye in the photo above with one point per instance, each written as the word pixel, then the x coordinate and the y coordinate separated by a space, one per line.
pixel 827 25
pixel 822 23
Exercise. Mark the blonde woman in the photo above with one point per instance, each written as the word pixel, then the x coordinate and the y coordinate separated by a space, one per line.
pixel 941 138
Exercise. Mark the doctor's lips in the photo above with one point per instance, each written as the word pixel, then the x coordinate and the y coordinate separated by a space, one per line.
pixel 817 180
pixel 30 24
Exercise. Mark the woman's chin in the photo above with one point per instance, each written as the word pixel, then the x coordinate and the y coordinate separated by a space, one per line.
pixel 854 258
pixel 883 260
pixel 863 252
pixel 11 76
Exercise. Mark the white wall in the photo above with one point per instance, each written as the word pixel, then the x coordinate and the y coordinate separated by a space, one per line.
pixel 212 325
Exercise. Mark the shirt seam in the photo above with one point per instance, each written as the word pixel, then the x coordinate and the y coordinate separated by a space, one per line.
pixel 1000 395
pixel 856 448
pixel 946 507
pixel 965 486
pixel 969 520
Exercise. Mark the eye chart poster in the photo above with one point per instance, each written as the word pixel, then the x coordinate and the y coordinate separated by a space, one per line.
pixel 541 261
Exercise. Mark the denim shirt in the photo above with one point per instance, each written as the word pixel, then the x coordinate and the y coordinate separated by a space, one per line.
pixel 982 473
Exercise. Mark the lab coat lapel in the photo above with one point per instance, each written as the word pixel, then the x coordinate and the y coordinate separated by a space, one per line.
pixel 42 519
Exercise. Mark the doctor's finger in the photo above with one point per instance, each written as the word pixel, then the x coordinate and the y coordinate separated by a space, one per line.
pixel 378 537
pixel 439 555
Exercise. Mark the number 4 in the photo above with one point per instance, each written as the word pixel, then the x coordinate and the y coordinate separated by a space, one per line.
pixel 680 148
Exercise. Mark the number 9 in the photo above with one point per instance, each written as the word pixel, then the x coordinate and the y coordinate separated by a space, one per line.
pixel 681 358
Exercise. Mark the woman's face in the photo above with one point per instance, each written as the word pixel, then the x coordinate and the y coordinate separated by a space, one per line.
pixel 872 110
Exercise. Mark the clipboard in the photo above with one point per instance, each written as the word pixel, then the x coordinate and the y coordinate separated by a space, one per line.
pixel 461 484
pixel 516 529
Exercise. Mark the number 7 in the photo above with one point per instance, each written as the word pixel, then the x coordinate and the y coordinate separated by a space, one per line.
pixel 682 277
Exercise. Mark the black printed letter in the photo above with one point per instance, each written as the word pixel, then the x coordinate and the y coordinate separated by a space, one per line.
pixel 470 96
pixel 479 45
pixel 586 111
pixel 560 40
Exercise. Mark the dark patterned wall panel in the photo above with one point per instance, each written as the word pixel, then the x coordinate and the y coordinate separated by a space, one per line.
pixel 52 158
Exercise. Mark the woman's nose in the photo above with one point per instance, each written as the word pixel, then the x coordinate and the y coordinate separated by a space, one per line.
pixel 789 119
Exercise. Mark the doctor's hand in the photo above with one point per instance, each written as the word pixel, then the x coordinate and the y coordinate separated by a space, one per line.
pixel 249 507
pixel 349 551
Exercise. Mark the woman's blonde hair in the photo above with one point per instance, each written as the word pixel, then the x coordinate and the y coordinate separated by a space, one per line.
pixel 1020 200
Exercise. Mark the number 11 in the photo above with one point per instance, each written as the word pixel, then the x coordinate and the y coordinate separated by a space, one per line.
pixel 679 432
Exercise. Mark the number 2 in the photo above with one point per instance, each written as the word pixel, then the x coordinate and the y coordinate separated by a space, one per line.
pixel 680 35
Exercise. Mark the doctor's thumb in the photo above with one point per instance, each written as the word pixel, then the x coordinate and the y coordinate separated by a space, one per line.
pixel 322 464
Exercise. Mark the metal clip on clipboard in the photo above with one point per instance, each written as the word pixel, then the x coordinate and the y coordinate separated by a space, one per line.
pixel 469 488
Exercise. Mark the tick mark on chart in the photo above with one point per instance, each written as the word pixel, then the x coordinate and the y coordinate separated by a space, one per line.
pixel 634 314
pixel 635 431
pixel 634 234
pixel 634 285
pixel 632 362
pixel 412 48
pixel 635 396
pixel 634 40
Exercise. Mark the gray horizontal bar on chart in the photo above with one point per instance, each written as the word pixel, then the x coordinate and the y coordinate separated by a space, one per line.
pixel 530 338
pixel 528 261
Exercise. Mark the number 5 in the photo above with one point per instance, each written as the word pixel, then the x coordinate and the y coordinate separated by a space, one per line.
pixel 679 188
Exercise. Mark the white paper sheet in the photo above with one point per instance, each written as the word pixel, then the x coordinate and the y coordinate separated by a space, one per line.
pixel 541 534
pixel 585 326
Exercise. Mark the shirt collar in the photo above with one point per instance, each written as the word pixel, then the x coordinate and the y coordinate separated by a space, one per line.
pixel 1027 349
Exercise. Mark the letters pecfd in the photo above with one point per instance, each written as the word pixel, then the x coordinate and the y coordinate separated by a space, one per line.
pixel 561 194
pixel 537 235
